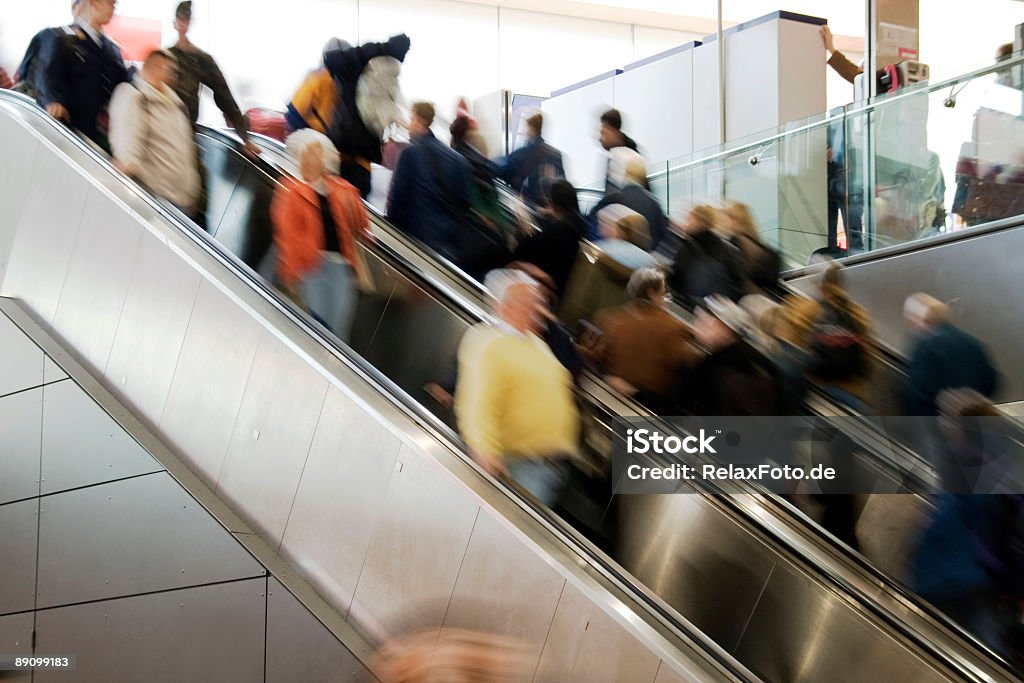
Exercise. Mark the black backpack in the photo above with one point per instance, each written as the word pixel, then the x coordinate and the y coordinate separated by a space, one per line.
pixel 837 345
pixel 30 69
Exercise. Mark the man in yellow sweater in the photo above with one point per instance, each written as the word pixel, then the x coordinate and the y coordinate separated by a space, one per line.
pixel 513 400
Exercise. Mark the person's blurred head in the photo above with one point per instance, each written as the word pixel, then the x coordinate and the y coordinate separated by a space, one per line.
pixel 458 130
pixel 636 171
pixel 316 154
pixel 635 230
pixel 160 69
pixel 610 135
pixel 701 218
pixel 609 221
pixel 97 12
pixel 518 299
pixel 739 221
pixel 923 312
pixel 1004 51
pixel 562 198
pixel 422 119
pixel 183 18
pixel 619 160
pixel 647 284
pixel 535 125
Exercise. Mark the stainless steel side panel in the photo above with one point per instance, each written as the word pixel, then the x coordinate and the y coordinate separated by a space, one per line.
pixel 340 498
pixel 299 648
pixel 18 524
pixel 21 420
pixel 21 362
pixel 586 646
pixel 16 639
pixel 417 549
pixel 696 559
pixel 273 433
pixel 97 280
pixel 82 445
pixel 46 232
pixel 505 588
pixel 152 327
pixel 212 633
pixel 209 381
pixel 128 537
pixel 15 182
pixel 790 617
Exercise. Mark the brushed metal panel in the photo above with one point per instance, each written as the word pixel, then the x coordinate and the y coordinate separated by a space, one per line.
pixel 149 336
pixel 21 361
pixel 416 551
pixel 83 445
pixel 206 392
pixel 402 351
pixel 505 587
pixel 134 536
pixel 272 436
pixel 21 420
pixel 16 639
pixel 586 646
pixel 696 559
pixel 18 526
pixel 97 280
pixel 793 633
pixel 666 674
pixel 300 648
pixel 47 227
pixel 340 497
pixel 18 148
pixel 213 633
pixel 51 371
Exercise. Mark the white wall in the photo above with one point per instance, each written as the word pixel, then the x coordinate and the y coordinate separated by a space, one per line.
pixel 458 48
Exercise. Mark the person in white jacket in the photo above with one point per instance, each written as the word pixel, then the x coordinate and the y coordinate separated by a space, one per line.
pixel 151 134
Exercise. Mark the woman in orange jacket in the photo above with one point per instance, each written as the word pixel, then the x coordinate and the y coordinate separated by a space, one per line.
pixel 317 222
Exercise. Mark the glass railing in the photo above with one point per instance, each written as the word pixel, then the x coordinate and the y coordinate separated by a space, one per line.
pixel 926 160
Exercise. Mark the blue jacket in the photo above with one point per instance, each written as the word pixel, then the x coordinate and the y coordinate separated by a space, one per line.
pixel 947 563
pixel 946 358
pixel 81 75
pixel 522 169
pixel 430 193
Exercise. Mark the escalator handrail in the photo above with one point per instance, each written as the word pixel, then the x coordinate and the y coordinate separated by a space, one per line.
pixel 683 635
pixel 614 403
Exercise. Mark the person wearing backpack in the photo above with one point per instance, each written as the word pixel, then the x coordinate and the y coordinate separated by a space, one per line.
pixel 761 263
pixel 826 338
pixel 366 105
pixel 705 264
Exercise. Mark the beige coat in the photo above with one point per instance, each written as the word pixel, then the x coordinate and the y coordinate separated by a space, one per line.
pixel 151 131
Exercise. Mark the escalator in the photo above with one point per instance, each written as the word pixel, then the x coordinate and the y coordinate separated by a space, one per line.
pixel 214 358
pixel 847 571
pixel 324 459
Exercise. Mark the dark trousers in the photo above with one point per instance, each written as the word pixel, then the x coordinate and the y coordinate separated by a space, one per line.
pixel 357 174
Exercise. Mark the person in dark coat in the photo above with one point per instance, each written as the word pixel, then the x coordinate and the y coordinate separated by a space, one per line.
pixel 944 357
pixel 554 247
pixel 524 169
pixel 705 264
pixel 635 195
pixel 78 69
pixel 357 145
pixel 430 191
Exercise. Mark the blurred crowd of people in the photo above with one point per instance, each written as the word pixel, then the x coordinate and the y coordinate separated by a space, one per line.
pixel 684 316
